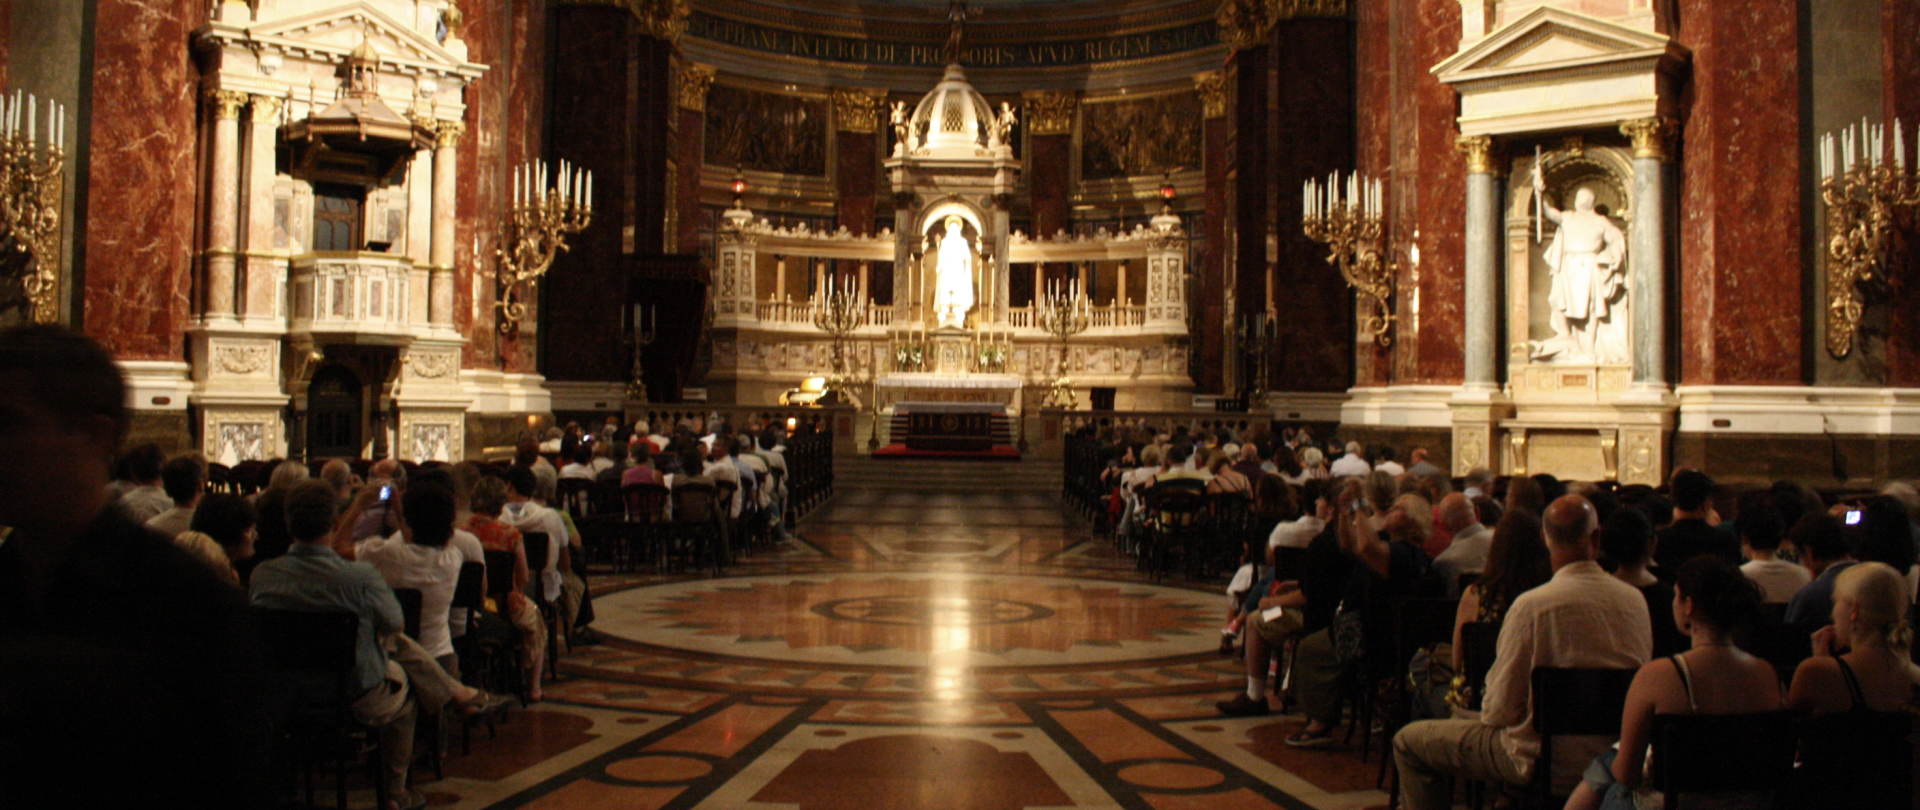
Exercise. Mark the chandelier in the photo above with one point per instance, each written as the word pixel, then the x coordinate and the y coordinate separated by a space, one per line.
pixel 32 164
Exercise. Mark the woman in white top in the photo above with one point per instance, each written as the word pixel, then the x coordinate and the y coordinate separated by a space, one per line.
pixel 426 555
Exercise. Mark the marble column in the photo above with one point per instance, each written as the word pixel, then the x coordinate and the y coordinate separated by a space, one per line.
pixel 264 276
pixel 1049 120
pixel 1482 257
pixel 690 97
pixel 856 113
pixel 1646 250
pixel 440 285
pixel 223 220
pixel 1216 100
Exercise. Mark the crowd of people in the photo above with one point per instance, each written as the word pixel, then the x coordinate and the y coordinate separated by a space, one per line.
pixel 1572 575
pixel 126 580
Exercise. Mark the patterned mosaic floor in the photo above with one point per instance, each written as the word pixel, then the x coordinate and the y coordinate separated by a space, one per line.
pixel 938 651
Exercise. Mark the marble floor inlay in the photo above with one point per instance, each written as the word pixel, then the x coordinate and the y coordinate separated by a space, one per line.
pixel 966 650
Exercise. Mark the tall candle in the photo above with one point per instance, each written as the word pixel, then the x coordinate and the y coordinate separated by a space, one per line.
pixel 1899 147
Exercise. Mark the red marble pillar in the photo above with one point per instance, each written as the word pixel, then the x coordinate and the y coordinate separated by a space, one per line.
pixel 1432 347
pixel 504 114
pixel 1740 207
pixel 1374 115
pixel 856 179
pixel 1248 72
pixel 1900 84
pixel 1208 345
pixel 689 155
pixel 1314 351
pixel 135 262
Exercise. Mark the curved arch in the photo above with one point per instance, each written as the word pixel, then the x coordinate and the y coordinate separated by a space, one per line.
pixel 951 205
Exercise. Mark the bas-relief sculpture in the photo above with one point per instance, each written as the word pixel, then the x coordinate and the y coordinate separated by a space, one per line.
pixel 1140 137
pixel 766 131
pixel 1588 284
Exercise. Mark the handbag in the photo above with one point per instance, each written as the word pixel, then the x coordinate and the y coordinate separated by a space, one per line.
pixel 1348 633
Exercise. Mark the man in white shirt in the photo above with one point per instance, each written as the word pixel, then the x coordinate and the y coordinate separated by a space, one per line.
pixel 1760 530
pixel 1351 464
pixel 581 465
pixel 145 499
pixel 1477 483
pixel 1300 533
pixel 182 479
pixel 1471 541
pixel 1178 466
pixel 522 513
pixel 1387 465
pixel 721 467
pixel 1582 617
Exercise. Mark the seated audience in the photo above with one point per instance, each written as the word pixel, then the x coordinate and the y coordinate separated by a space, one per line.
pixel 1861 671
pixel 1711 601
pixel 1225 478
pixel 719 466
pixel 1383 462
pixel 1525 493
pixel 228 520
pixel 1580 618
pixel 338 475
pixel 1467 554
pixel 183 479
pixel 642 470
pixel 146 498
pixel 372 516
pixel 581 465
pixel 1300 532
pixel 1824 551
pixel 1478 483
pixel 528 515
pixel 1175 465
pixel 488 499
pixel 1692 532
pixel 1354 463
pixel 1760 532
pixel 118 650
pixel 603 454
pixel 425 555
pixel 208 551
pixel 1517 562
pixel 1885 535
pixel 1627 542
pixel 1422 466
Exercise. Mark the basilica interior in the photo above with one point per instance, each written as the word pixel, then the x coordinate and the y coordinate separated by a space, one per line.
pixel 942 249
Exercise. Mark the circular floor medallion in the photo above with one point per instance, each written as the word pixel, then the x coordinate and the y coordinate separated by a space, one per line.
pixel 932 611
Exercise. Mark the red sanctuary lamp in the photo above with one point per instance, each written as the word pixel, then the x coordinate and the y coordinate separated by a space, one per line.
pixel 739 189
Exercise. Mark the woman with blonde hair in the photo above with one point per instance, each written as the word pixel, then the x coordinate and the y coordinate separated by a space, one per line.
pixel 1851 694
pixel 1314 463
pixel 1225 477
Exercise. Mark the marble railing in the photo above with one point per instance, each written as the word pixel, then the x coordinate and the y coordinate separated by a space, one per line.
pixel 800 313
pixel 363 293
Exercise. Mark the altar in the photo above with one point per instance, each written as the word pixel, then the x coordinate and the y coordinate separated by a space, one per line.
pixel 930 387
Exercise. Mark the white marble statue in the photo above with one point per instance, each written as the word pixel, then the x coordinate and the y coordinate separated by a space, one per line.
pixel 1587 297
pixel 900 129
pixel 953 276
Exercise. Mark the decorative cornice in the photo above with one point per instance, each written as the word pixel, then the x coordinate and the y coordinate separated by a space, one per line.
pixel 691 84
pixel 227 103
pixel 1245 24
pixel 661 19
pixel 446 135
pixel 1212 86
pixel 1478 150
pixel 265 109
pixel 1652 137
pixel 1310 9
pixel 857 109
pixel 1050 112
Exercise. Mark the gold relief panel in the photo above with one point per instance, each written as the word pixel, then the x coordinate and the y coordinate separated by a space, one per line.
pixel 1050 112
pixel 857 109
pixel 772 132
pixel 691 84
pixel 1140 137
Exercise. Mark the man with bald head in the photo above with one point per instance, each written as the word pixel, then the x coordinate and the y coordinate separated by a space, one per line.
pixel 1582 617
pixel 1467 554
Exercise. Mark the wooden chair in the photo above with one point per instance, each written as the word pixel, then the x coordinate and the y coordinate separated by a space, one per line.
pixel 1417 622
pixel 1856 759
pixel 478 661
pixel 538 546
pixel 645 528
pixel 698 512
pixel 319 648
pixel 572 494
pixel 1573 702
pixel 1176 520
pixel 723 551
pixel 431 724
pixel 1709 753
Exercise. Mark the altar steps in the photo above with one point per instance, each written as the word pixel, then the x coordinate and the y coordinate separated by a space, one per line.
pixel 931 475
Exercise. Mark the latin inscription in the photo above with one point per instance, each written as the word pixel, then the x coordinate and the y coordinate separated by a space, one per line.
pixel 875 52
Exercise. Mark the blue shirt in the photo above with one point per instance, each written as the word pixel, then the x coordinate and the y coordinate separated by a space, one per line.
pixel 316 578
pixel 1813 604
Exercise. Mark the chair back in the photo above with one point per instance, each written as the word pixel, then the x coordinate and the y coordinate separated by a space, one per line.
pixel 311 645
pixel 1420 622
pixel 499 576
pixel 538 547
pixel 604 497
pixel 572 493
pixel 409 610
pixel 470 590
pixel 1859 759
pixel 1177 505
pixel 1574 702
pixel 694 502
pixel 1704 753
pixel 645 503
pixel 723 495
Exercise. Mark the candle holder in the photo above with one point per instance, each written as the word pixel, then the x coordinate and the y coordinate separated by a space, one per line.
pixel 1351 226
pixel 32 172
pixel 1063 312
pixel 536 230
pixel 838 312
pixel 644 332
pixel 1866 191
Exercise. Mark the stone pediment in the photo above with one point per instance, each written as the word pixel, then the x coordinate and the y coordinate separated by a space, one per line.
pixel 1549 38
pixel 1558 69
pixel 338 30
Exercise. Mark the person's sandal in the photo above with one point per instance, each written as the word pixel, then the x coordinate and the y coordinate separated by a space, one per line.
pixel 1310 739
pixel 412 800
pixel 484 703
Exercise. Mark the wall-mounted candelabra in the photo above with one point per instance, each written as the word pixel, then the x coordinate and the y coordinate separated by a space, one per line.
pixel 1257 333
pixel 1346 217
pixel 838 310
pixel 1866 187
pixel 1063 311
pixel 32 166
pixel 646 327
pixel 536 230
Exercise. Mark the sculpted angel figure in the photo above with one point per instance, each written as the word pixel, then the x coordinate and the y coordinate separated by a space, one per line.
pixel 1003 124
pixel 899 120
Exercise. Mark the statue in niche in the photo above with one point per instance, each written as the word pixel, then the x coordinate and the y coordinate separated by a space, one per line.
pixel 900 133
pixel 1587 295
pixel 953 276
pixel 1003 124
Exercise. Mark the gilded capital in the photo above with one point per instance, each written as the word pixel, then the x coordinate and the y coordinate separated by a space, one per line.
pixel 1050 112
pixel 1244 24
pixel 1651 136
pixel 1307 9
pixel 690 86
pixel 857 109
pixel 227 103
pixel 661 19
pixel 446 134
pixel 265 109
pixel 1213 93
pixel 1478 150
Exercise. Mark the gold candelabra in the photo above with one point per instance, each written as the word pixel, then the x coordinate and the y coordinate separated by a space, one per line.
pixel 645 329
pixel 1063 311
pixel 1866 190
pixel 536 230
pixel 31 174
pixel 838 312
pixel 1350 224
